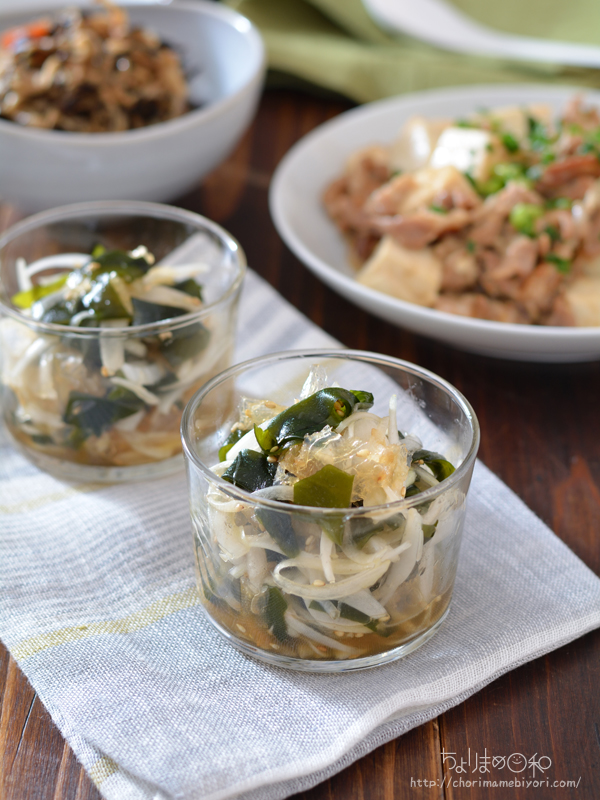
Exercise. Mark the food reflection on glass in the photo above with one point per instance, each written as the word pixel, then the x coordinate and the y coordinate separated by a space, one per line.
pixel 495 216
pixel 102 350
pixel 327 554
pixel 89 72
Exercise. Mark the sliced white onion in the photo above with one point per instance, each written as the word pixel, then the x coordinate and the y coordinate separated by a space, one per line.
pixel 195 368
pixel 341 566
pixel 329 608
pixel 332 591
pixel 326 548
pixel 46 387
pixel 112 349
pixel 295 625
pixel 23 278
pixel 358 416
pixel 78 318
pixel 365 602
pixel 262 540
pixel 257 567
pixel 425 475
pixel 227 534
pixel 401 569
pixel 220 501
pixel 339 624
pixel 31 354
pixel 238 570
pixel 131 422
pixel 412 443
pixel 65 261
pixel 146 373
pixel 163 274
pixel 392 432
pixel 40 417
pixel 140 391
pixel 136 348
pixel 280 491
pixel 166 296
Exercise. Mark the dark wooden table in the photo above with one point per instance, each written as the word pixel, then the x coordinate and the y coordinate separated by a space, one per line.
pixel 540 434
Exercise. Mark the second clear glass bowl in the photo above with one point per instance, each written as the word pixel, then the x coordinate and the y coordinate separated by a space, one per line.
pixel 90 396
pixel 329 588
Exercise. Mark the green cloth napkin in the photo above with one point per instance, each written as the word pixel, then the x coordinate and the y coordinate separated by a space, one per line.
pixel 333 44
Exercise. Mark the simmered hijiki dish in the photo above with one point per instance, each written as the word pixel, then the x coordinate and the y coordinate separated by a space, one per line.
pixel 288 578
pixel 495 216
pixel 89 72
pixel 112 395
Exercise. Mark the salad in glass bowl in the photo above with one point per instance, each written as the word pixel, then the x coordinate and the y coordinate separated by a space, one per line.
pixel 326 534
pixel 103 345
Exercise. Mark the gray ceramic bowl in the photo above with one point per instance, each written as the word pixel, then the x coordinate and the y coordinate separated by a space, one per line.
pixel 44 168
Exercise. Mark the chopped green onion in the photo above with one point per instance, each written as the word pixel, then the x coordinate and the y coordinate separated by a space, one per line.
pixel 523 217
pixel 28 297
pixel 562 264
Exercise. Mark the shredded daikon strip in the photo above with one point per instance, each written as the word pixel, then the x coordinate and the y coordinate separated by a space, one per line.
pixel 131 422
pixel 257 567
pixel 262 540
pixel 392 432
pixel 136 347
pixel 327 547
pixel 339 624
pixel 238 570
pixel 141 392
pixel 164 274
pixel 23 278
pixel 32 354
pixel 365 602
pixel 166 296
pixel 297 626
pixel 357 416
pixel 333 591
pixel 65 261
pixel 78 318
pixel 401 569
pixel 340 566
pixel 425 475
pixel 145 373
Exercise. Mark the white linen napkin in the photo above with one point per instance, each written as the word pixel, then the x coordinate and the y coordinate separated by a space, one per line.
pixel 99 608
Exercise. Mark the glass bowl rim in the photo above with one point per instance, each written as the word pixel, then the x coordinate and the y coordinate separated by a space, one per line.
pixel 106 208
pixel 358 355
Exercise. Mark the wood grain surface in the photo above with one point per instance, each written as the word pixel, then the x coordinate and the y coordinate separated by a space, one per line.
pixel 540 434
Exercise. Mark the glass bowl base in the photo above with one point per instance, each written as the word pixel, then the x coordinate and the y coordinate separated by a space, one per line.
pixel 90 473
pixel 341 665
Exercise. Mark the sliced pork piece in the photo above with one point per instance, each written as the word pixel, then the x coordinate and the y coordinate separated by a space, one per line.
pixel 460 270
pixel 419 229
pixel 558 175
pixel 344 198
pixel 481 307
pixel 491 216
pixel 518 261
pixel 538 291
pixel 445 188
pixel 578 115
pixel 418 208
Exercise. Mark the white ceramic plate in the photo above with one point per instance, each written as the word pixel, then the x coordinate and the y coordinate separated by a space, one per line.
pixel 295 203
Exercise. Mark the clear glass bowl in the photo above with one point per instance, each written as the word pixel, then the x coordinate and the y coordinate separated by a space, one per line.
pixel 264 565
pixel 105 403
